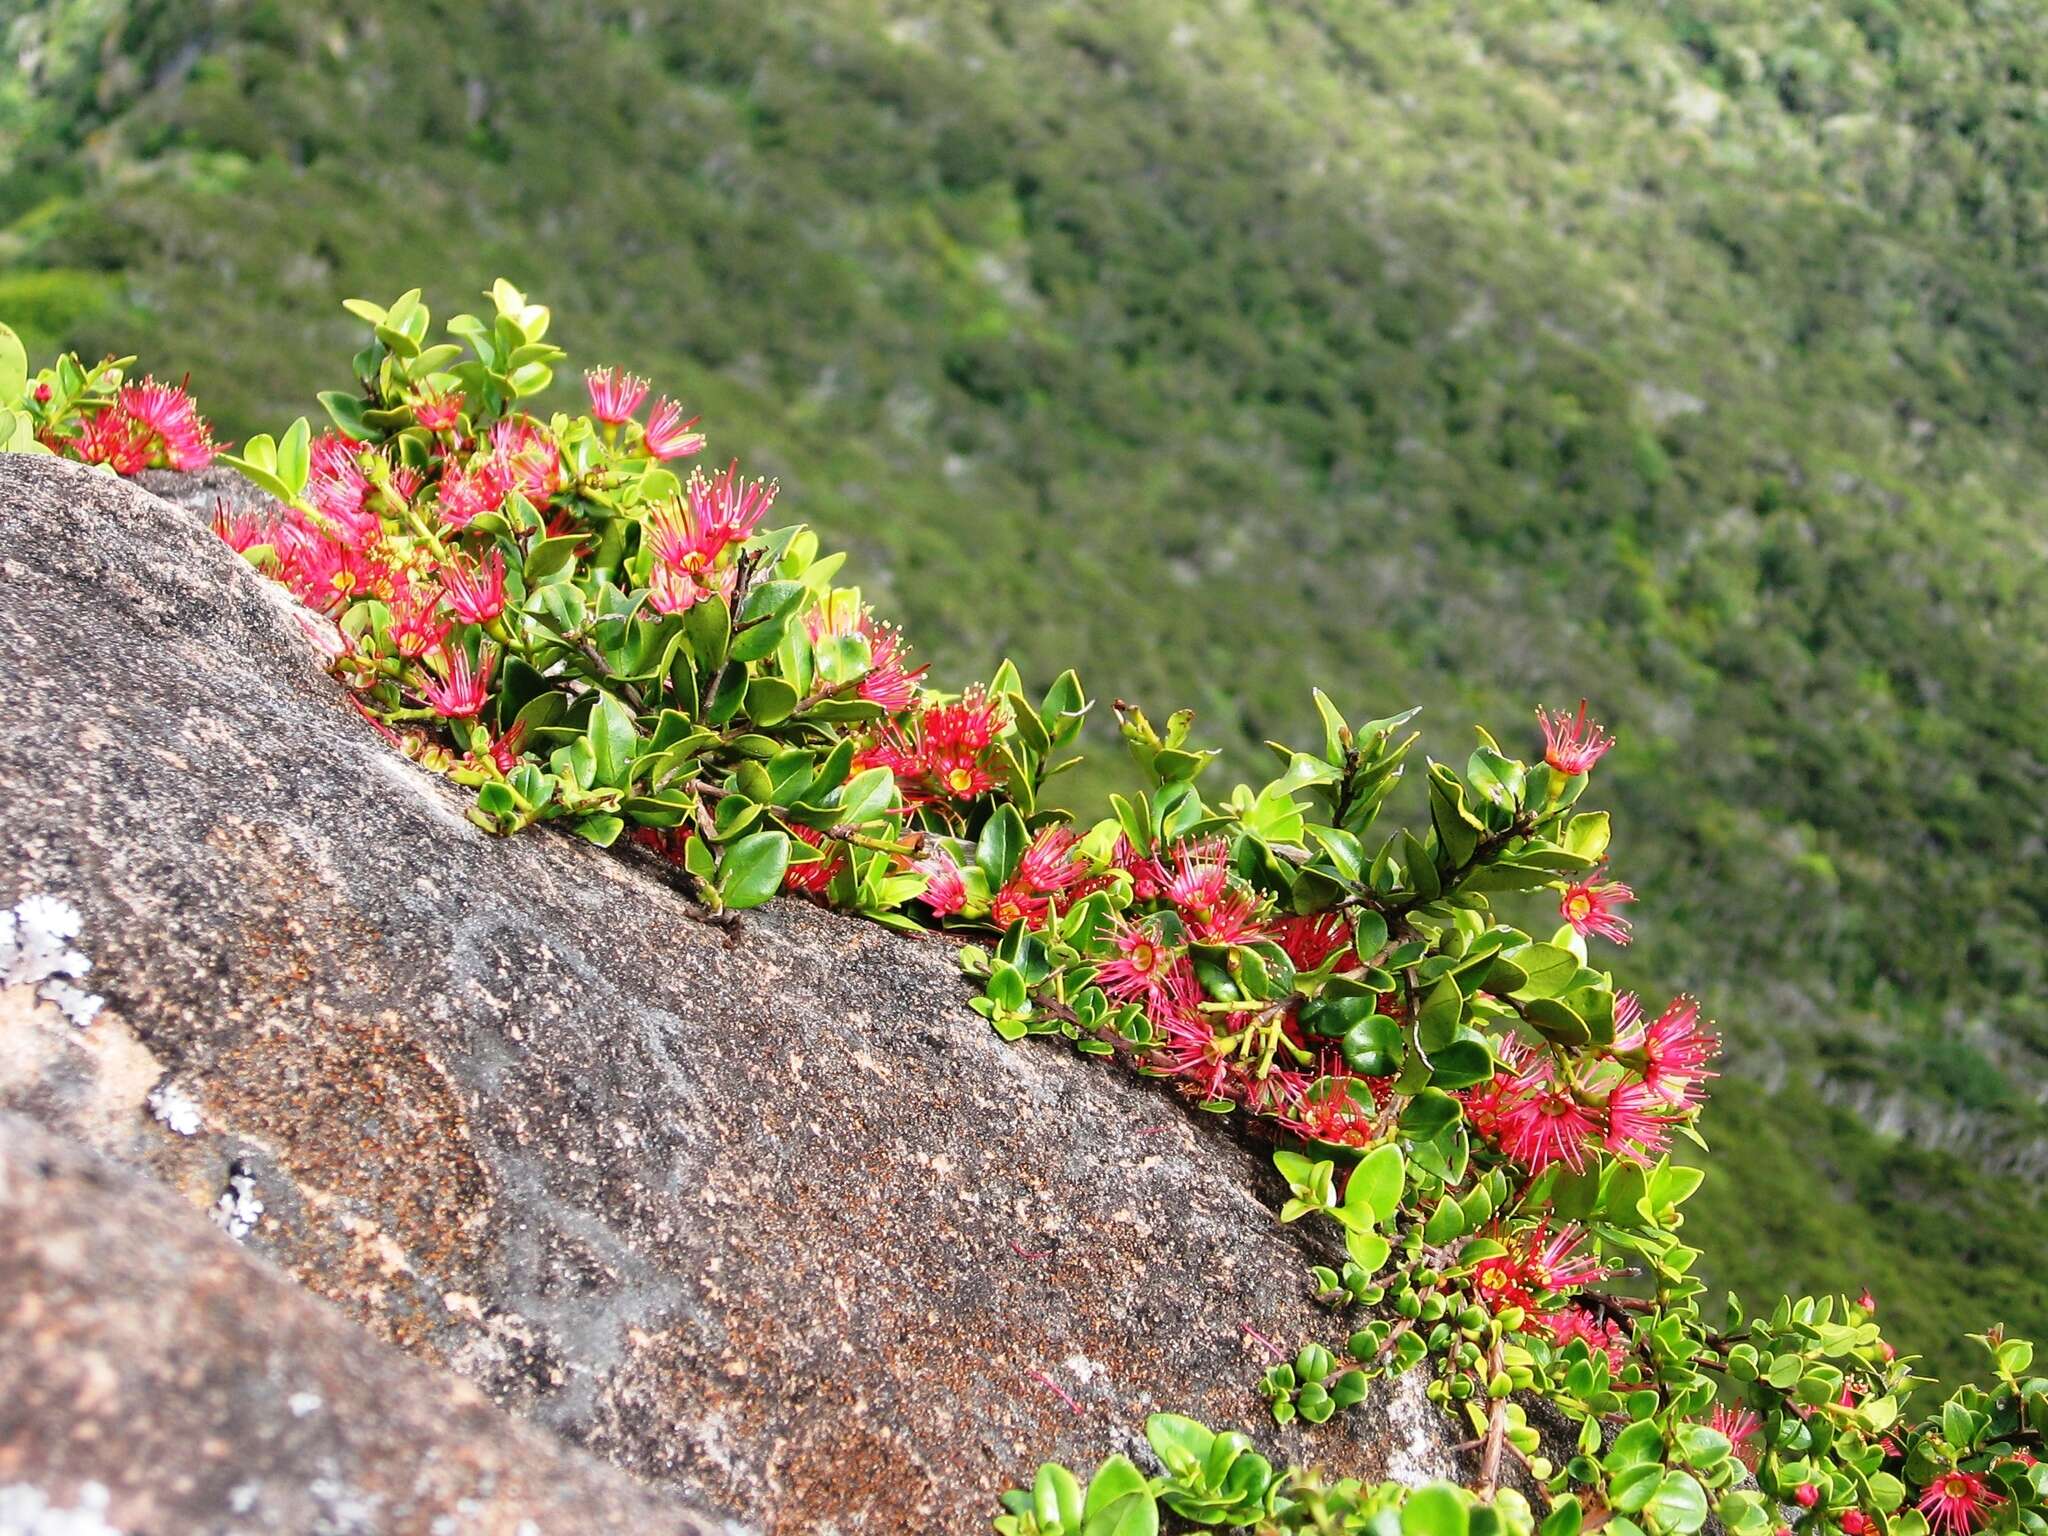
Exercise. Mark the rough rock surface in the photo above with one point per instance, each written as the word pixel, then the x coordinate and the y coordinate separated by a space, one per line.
pixel 145 1355
pixel 765 1215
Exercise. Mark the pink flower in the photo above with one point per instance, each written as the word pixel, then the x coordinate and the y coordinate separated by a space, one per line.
pixel 729 508
pixel 1806 1495
pixel 1590 906
pixel 475 592
pixel 886 682
pixel 1602 1336
pixel 1144 972
pixel 437 412
pixel 668 435
pixel 1857 1523
pixel 166 411
pixel 1675 1049
pixel 1637 1125
pixel 466 689
pixel 1554 1262
pixel 111 438
pixel 945 892
pixel 1050 864
pixel 614 394
pixel 1148 876
pixel 531 457
pixel 1956 1501
pixel 1199 875
pixel 1742 1428
pixel 468 494
pixel 241 534
pixel 416 628
pixel 1572 744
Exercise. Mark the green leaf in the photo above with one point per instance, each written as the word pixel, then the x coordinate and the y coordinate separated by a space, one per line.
pixel 752 868
pixel 1436 1510
pixel 602 830
pixel 1120 1502
pixel 613 742
pixel 1368 1250
pixel 551 558
pixel 1001 846
pixel 13 368
pixel 1549 969
pixel 1376 1184
pixel 1679 1505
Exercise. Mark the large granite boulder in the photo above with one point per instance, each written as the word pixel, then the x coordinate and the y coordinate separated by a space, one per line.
pixel 156 1377
pixel 761 1213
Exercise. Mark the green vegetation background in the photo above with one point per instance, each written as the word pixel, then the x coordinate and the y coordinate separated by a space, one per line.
pixel 1689 356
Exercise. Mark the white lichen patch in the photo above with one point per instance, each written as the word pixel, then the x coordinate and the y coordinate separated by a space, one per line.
pixel 174 1107
pixel 239 1207
pixel 36 951
pixel 26 1511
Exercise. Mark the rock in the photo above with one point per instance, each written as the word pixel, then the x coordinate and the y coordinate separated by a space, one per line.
pixel 763 1214
pixel 147 1356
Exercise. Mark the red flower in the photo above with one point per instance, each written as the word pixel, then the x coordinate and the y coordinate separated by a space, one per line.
pixel 465 691
pixel 1806 1495
pixel 1857 1523
pixel 1572 744
pixel 1542 1122
pixel 1602 1336
pixel 437 412
pixel 1742 1428
pixel 241 534
pixel 1148 877
pixel 812 879
pixel 1018 903
pixel 416 628
pixel 1590 906
pixel 508 748
pixel 1309 941
pixel 614 395
pixel 1231 919
pixel 111 438
pixel 1338 1108
pixel 1502 1281
pixel 476 592
pixel 1955 1502
pixel 668 435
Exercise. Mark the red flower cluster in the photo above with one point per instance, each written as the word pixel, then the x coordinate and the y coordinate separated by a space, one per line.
pixel 1536 1112
pixel 149 426
pixel 941 752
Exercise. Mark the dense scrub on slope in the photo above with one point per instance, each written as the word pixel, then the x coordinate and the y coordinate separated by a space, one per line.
pixel 1197 346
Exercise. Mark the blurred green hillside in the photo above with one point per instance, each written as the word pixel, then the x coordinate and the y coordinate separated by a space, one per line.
pixel 1688 356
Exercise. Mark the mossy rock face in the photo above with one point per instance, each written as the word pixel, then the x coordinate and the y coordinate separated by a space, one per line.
pixel 762 1213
